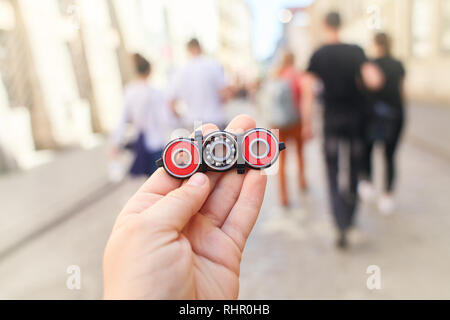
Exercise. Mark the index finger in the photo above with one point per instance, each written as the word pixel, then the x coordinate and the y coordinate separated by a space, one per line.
pixel 226 187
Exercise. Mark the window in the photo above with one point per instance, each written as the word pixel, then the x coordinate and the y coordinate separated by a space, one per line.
pixel 445 26
pixel 422 27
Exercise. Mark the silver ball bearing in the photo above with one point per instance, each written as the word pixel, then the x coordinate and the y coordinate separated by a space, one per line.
pixel 220 151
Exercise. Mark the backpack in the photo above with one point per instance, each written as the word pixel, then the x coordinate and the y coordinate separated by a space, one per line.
pixel 280 107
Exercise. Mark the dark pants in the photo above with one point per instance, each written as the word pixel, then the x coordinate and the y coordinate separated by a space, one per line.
pixel 144 163
pixel 337 139
pixel 390 137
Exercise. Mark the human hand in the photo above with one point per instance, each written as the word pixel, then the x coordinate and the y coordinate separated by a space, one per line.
pixel 372 76
pixel 178 239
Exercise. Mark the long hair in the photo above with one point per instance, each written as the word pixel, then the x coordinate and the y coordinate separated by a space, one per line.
pixel 141 65
pixel 287 60
pixel 383 40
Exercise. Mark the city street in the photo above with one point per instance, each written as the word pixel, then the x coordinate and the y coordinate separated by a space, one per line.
pixel 290 255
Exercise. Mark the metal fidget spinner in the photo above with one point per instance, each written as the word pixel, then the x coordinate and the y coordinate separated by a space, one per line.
pixel 220 151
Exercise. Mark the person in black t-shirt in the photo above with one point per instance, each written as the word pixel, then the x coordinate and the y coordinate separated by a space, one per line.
pixel 385 121
pixel 343 70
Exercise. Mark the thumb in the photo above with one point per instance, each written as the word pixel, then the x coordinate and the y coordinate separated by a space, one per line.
pixel 178 206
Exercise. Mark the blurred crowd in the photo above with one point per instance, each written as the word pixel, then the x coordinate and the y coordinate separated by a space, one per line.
pixel 196 95
pixel 362 100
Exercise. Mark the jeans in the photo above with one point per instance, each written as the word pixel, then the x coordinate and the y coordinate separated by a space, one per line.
pixel 337 139
pixel 391 130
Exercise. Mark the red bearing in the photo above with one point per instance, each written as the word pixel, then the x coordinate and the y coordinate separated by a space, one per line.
pixel 189 150
pixel 266 141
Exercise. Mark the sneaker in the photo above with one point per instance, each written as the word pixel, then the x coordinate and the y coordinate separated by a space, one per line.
pixel 355 236
pixel 366 190
pixel 116 172
pixel 386 204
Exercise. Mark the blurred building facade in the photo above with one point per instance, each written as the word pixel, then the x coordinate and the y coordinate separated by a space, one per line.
pixel 235 39
pixel 297 35
pixel 23 106
pixel 51 67
pixel 222 26
pixel 64 63
pixel 420 30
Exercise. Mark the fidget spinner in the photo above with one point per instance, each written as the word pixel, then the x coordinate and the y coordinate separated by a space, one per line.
pixel 220 151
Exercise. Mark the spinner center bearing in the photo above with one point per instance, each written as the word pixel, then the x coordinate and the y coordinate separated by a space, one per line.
pixel 220 151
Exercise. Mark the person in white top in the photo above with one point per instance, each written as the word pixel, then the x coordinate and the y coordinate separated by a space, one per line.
pixel 146 109
pixel 201 85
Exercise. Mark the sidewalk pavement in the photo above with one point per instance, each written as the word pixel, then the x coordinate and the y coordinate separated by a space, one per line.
pixel 428 127
pixel 33 199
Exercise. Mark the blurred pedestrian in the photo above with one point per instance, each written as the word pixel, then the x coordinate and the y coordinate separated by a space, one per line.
pixel 385 122
pixel 146 110
pixel 286 98
pixel 339 66
pixel 201 85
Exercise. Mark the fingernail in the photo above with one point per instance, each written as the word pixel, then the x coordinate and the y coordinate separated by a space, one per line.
pixel 197 180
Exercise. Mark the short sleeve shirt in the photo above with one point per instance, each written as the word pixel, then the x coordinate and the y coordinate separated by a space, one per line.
pixel 198 84
pixel 394 72
pixel 339 68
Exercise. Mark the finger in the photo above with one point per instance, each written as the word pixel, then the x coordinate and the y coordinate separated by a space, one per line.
pixel 223 197
pixel 241 123
pixel 157 186
pixel 206 129
pixel 242 217
pixel 226 187
pixel 175 210
pixel 160 183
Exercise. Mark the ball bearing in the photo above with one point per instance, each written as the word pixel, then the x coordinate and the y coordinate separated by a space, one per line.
pixel 220 151
pixel 260 148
